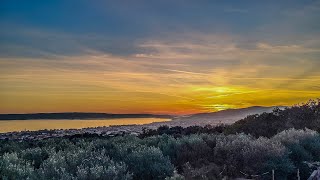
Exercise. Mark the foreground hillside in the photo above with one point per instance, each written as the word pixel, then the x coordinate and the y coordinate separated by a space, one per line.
pixel 198 156
pixel 268 124
pixel 178 153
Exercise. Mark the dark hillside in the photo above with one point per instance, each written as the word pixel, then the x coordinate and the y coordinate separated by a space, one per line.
pixel 268 124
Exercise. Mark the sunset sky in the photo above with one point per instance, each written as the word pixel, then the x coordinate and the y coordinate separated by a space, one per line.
pixel 165 56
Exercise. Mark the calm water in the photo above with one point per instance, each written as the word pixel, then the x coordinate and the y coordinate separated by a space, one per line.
pixel 33 125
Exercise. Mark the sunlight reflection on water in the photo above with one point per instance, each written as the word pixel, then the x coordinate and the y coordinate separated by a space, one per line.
pixel 33 125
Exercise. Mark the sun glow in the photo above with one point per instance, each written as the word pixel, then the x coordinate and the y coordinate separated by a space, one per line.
pixel 218 107
pixel 168 82
pixel 221 90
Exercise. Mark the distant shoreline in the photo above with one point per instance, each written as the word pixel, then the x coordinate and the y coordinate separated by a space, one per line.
pixel 76 116
pixel 79 125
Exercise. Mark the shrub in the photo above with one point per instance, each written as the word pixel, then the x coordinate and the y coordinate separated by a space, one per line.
pixel 149 163
pixel 35 155
pixel 303 146
pixel 253 156
pixel 13 167
pixel 292 136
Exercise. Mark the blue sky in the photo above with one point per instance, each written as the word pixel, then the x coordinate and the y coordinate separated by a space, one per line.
pixel 115 26
pixel 175 56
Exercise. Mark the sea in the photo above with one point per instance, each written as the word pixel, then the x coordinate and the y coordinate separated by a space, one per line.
pixel 40 124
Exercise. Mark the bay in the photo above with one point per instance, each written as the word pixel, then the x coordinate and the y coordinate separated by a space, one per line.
pixel 40 124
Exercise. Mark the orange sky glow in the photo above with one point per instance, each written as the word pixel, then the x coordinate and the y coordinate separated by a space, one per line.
pixel 166 82
pixel 162 57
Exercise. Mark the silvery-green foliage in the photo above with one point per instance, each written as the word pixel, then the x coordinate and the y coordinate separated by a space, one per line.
pixel 244 153
pixel 35 156
pixel 82 163
pixel 192 149
pixel 292 136
pixel 175 176
pixel 167 144
pixel 99 166
pixel 55 167
pixel 129 157
pixel 303 146
pixel 148 163
pixel 13 167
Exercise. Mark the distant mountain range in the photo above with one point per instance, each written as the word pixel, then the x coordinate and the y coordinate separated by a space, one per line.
pixel 77 115
pixel 228 116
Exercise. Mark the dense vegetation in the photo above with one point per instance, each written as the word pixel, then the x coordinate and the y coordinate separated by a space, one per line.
pixel 200 156
pixel 176 153
pixel 266 124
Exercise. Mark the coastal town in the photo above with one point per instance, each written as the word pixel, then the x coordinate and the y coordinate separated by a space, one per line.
pixel 54 133
pixel 214 119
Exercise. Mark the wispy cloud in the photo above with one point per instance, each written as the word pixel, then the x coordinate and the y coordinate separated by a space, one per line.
pixel 180 75
pixel 158 56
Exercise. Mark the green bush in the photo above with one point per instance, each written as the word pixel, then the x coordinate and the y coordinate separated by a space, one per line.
pixel 249 155
pixel 13 167
pixel 303 146
pixel 196 156
pixel 149 163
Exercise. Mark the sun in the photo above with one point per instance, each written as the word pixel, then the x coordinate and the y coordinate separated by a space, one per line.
pixel 218 107
pixel 222 89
